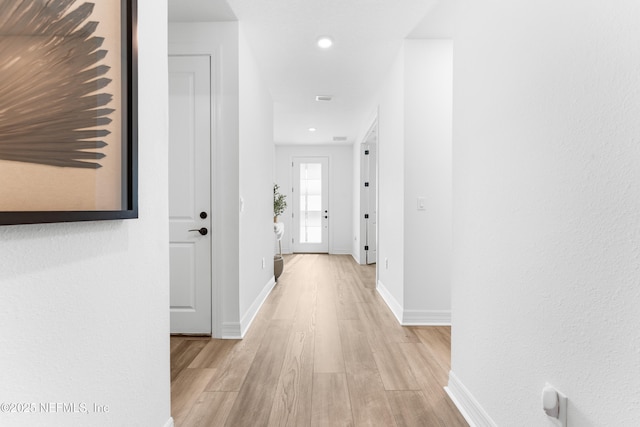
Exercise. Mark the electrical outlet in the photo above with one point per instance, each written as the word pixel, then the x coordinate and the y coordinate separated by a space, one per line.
pixel 554 404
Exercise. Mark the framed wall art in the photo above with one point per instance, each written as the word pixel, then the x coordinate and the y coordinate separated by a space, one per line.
pixel 68 110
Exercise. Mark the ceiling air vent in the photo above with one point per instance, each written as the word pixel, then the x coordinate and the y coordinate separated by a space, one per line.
pixel 339 138
pixel 324 97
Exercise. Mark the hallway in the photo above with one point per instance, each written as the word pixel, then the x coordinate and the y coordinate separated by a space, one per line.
pixel 324 350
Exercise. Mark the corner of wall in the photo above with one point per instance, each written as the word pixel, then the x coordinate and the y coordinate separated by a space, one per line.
pixel 393 304
pixel 239 330
pixel 468 406
pixel 355 257
pixel 255 236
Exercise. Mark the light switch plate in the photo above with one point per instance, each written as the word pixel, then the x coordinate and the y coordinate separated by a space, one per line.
pixel 421 204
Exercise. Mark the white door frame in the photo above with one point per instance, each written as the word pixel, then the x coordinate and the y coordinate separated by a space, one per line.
pixel 371 137
pixel 217 163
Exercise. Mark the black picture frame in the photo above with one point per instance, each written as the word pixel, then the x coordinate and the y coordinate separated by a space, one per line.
pixel 61 147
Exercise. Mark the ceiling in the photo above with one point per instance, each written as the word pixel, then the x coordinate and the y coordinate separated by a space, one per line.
pixel 367 36
pixel 200 11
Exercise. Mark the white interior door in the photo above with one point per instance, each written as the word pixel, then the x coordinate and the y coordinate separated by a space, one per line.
pixel 190 194
pixel 310 205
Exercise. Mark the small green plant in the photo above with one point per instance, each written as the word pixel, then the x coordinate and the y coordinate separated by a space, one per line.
pixel 279 201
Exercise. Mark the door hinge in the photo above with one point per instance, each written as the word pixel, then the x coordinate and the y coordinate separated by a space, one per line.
pixel 366 248
pixel 366 152
pixel 366 216
pixel 292 240
pixel 291 164
pixel 366 184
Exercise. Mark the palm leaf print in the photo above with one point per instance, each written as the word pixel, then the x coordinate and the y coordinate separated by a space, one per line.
pixel 53 108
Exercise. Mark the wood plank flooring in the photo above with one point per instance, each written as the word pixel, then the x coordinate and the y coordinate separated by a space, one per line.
pixel 324 350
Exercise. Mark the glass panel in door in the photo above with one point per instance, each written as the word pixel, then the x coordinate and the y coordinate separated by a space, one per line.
pixel 310 204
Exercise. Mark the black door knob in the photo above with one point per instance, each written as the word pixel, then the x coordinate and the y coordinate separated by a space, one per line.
pixel 202 231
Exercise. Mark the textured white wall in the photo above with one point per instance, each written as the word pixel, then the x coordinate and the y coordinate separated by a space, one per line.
pixel 84 309
pixel 427 173
pixel 391 185
pixel 546 208
pixel 340 191
pixel 256 186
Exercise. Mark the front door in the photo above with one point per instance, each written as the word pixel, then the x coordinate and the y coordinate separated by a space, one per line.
pixel 190 194
pixel 311 204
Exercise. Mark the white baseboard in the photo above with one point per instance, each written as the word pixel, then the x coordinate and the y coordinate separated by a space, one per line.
pixel 251 313
pixel 413 317
pixel 394 305
pixel 334 251
pixel 426 318
pixel 468 406
pixel 169 423
pixel 231 331
pixel 355 258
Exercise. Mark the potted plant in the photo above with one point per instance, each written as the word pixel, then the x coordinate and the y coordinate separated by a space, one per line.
pixel 279 205
pixel 279 202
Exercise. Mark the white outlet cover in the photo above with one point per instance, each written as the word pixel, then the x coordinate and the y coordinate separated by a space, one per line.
pixel 549 395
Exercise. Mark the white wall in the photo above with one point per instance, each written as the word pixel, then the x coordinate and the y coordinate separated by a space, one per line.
pixel 414 146
pixel 340 191
pixel 84 309
pixel 256 186
pixel 391 189
pixel 428 75
pixel 356 167
pixel 546 209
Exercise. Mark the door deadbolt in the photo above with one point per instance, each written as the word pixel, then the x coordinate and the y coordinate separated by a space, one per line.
pixel 203 215
pixel 202 231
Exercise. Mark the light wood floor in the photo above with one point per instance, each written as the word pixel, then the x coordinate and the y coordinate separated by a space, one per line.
pixel 324 350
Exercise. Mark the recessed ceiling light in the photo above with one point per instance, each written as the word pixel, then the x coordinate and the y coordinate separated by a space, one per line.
pixel 312 129
pixel 325 42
